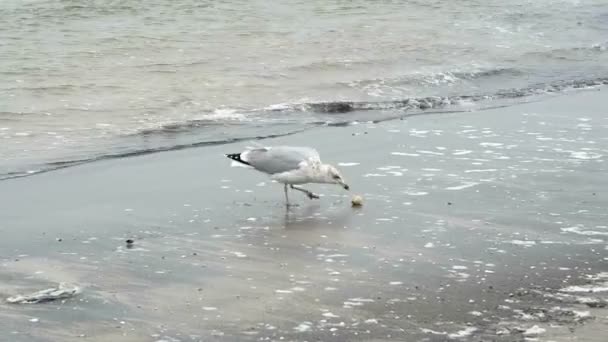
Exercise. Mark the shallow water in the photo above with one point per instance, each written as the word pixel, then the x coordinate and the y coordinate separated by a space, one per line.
pixel 82 81
pixel 489 224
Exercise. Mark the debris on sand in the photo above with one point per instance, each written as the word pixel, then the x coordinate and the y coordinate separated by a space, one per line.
pixel 61 292
pixel 357 201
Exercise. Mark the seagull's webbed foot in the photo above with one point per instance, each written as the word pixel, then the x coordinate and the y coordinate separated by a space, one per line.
pixel 308 193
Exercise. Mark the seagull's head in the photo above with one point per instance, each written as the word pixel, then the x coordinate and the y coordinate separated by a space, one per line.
pixel 333 176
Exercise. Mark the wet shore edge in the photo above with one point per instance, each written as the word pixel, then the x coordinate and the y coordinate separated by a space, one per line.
pixel 485 226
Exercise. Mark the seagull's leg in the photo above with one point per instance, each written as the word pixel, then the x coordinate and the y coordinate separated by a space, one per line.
pixel 286 196
pixel 310 194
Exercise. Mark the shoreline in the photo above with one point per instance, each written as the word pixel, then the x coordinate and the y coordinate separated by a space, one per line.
pixel 407 108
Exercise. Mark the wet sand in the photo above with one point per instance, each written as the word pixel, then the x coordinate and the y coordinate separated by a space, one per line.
pixel 485 226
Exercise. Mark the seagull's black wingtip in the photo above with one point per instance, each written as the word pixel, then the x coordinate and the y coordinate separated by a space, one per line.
pixel 237 157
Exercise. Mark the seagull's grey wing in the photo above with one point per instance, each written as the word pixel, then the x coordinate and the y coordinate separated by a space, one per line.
pixel 306 153
pixel 279 159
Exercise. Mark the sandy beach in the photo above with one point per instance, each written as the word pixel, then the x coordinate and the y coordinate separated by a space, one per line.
pixel 479 226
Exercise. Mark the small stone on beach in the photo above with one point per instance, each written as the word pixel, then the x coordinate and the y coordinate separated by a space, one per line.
pixel 130 243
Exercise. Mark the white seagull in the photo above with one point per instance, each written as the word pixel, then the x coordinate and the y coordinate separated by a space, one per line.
pixel 290 166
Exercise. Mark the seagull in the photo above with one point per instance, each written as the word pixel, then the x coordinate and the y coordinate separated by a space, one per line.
pixel 289 165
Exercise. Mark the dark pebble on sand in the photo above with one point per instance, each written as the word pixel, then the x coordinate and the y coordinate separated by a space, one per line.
pixel 449 203
pixel 59 239
pixel 130 243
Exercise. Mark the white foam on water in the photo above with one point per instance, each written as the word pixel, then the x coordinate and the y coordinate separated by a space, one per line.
pixel 579 231
pixel 585 288
pixel 581 314
pixel 534 331
pixel 330 315
pixel 418 133
pixel 434 332
pixel 490 144
pixel 416 193
pixel 585 155
pixel 430 152
pixel 395 283
pixel 480 170
pixel 279 106
pixel 462 186
pixel 239 254
pixel 336 255
pixel 349 304
pixel 361 300
pixel 348 164
pixel 283 291
pixel 373 175
pixel 599 276
pixel 303 327
pixel 463 333
pixel 524 243
pixel 405 154
pixel 225 114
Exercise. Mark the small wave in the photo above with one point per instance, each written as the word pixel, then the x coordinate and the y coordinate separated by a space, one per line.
pixel 64 87
pixel 488 73
pixel 219 117
pixel 574 53
pixel 434 102
pixel 436 78
pixel 328 110
pixel 322 66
